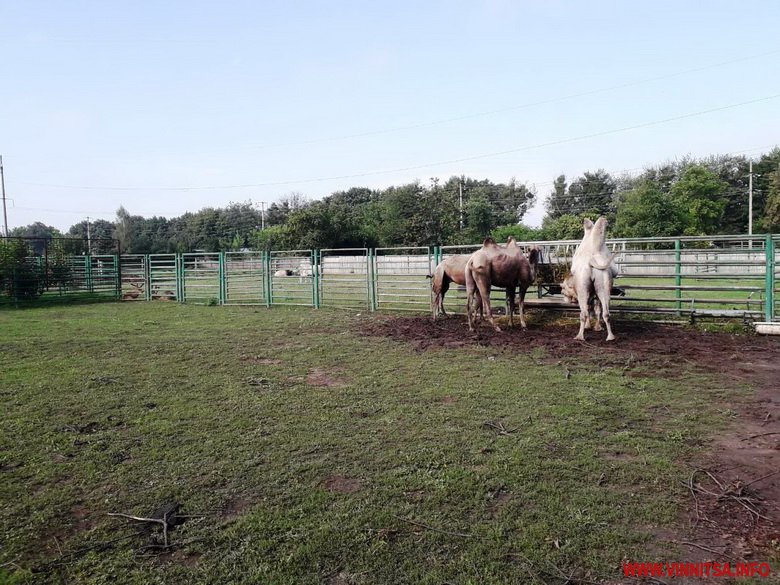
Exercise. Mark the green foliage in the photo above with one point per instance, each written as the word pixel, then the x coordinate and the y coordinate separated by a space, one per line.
pixel 593 193
pixel 520 232
pixel 700 192
pixel 479 217
pixel 565 227
pixel 646 211
pixel 772 211
pixel 21 277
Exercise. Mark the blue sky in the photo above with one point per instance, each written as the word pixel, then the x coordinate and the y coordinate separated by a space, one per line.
pixel 107 103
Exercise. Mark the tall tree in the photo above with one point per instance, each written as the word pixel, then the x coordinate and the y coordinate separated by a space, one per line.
pixel 646 211
pixel 700 192
pixel 558 200
pixel 772 208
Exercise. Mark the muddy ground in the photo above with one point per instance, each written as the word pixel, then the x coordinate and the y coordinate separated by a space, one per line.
pixel 733 513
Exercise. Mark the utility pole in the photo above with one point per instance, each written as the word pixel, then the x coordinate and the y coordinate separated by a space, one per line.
pixel 262 215
pixel 750 200
pixel 89 239
pixel 460 200
pixel 2 186
pixel 750 204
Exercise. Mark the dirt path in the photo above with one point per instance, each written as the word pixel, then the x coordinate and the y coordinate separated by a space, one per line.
pixel 735 480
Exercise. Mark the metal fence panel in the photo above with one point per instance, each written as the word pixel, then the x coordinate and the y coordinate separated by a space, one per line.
pixel 400 278
pixel 344 278
pixel 200 277
pixel 244 278
pixel 292 278
pixel 164 277
pixel 135 277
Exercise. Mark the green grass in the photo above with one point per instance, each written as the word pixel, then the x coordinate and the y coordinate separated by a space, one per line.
pixel 179 409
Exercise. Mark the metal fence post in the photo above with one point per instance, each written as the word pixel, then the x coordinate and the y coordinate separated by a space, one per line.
pixel 118 275
pixel 769 295
pixel 147 278
pixel 315 281
pixel 88 273
pixel 269 288
pixel 369 292
pixel 179 262
pixel 372 280
pixel 222 280
pixel 677 275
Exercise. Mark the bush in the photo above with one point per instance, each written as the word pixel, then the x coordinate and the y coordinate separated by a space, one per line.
pixel 20 276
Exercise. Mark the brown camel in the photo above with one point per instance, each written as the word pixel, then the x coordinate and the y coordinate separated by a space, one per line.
pixel 451 269
pixel 504 267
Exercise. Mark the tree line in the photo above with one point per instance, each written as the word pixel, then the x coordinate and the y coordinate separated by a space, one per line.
pixel 684 197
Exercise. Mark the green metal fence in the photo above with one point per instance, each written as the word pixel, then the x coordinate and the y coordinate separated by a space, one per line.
pixel 400 278
pixel 244 278
pixel 344 278
pixel 729 276
pixel 292 281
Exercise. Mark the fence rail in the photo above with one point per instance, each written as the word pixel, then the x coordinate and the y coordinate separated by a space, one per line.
pixel 716 275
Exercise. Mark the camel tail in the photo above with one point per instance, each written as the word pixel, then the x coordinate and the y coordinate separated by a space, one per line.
pixel 604 266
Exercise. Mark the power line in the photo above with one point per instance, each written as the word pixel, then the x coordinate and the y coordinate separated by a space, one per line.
pixel 494 111
pixel 426 165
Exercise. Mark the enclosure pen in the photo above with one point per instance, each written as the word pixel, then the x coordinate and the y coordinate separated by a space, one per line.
pixel 716 276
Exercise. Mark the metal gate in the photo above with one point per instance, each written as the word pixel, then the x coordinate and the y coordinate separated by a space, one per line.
pixel 401 280
pixel 200 278
pixel 244 278
pixel 164 281
pixel 344 278
pixel 292 275
pixel 135 277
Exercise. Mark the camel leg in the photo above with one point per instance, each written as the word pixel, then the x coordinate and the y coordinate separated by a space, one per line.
pixel 510 305
pixel 596 313
pixel 484 291
pixel 471 291
pixel 522 303
pixel 582 299
pixel 603 294
pixel 445 286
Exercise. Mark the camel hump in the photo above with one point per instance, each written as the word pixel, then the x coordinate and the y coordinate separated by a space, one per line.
pixel 488 242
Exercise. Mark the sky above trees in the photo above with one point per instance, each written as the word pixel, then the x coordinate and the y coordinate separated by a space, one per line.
pixel 173 107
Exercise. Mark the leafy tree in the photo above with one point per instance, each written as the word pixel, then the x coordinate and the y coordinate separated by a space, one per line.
pixel 593 193
pixel 700 192
pixel 520 232
pixel 100 232
pixel 271 238
pixel 479 217
pixel 764 173
pixel 772 210
pixel 278 212
pixel 558 200
pixel 646 211
pixel 565 227
pixel 40 231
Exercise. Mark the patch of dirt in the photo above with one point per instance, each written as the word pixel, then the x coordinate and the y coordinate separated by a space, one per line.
pixel 448 399
pixel 717 525
pixel 342 485
pixel 743 357
pixel 322 378
pixel 235 508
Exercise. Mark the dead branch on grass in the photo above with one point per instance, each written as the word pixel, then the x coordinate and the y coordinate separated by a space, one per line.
pixel 162 521
pixel 433 528
pixel 761 435
pixel 498 426
pixel 734 492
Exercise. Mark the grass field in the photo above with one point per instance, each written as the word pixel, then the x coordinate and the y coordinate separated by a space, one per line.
pixel 308 453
